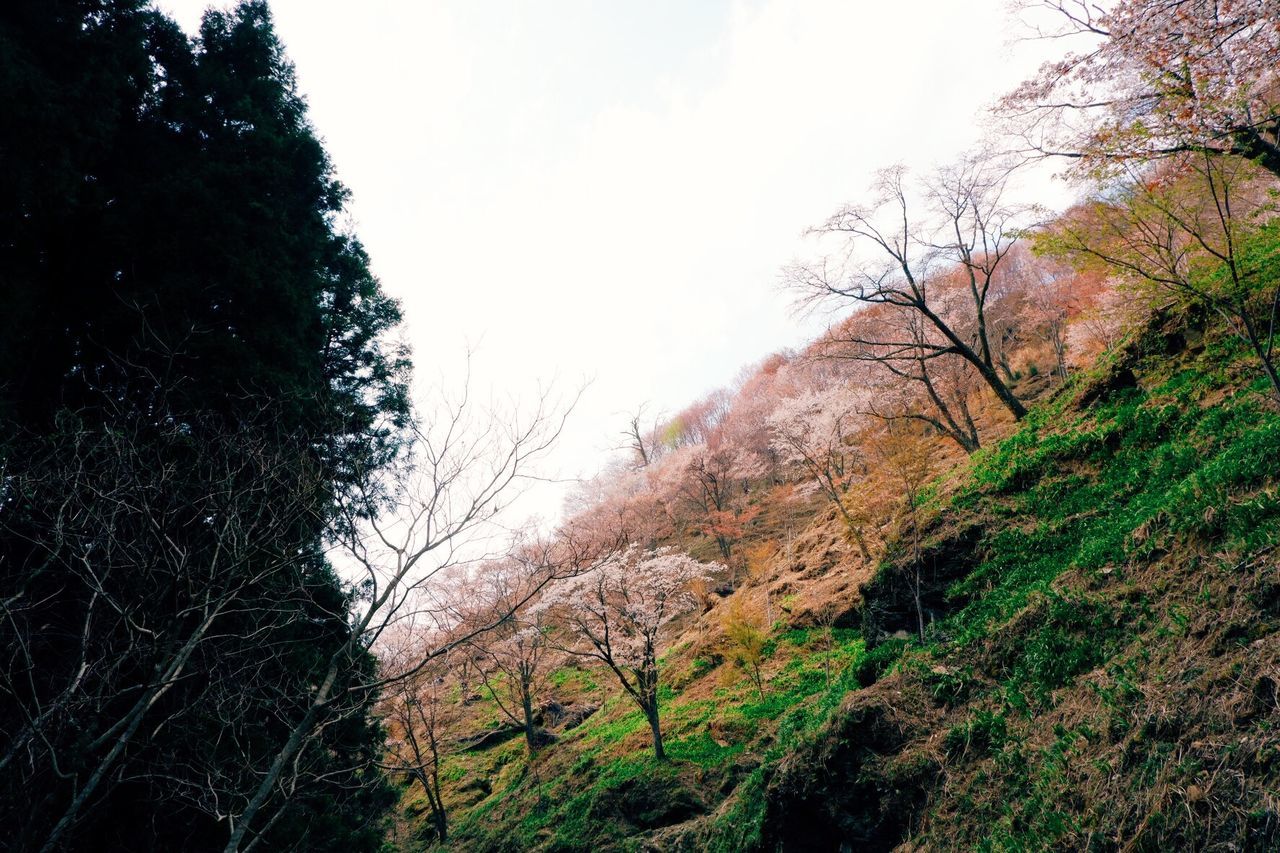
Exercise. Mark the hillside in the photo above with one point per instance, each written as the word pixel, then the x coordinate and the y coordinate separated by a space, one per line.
pixel 1099 670
pixel 982 554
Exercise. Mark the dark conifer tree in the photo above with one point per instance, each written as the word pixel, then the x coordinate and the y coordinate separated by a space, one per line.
pixel 194 362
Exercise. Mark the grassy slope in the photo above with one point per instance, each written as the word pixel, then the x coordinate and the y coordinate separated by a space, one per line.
pixel 1105 672
pixel 1102 669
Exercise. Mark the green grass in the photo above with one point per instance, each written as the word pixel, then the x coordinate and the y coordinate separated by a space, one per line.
pixel 1093 496
pixel 1130 479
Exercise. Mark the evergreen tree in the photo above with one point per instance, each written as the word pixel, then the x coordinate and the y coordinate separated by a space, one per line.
pixel 193 364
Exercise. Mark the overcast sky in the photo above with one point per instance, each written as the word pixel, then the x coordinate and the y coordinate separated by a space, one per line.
pixel 607 190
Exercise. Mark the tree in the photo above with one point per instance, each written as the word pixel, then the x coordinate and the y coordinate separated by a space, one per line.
pixel 1155 77
pixel 907 458
pixel 641 440
pixel 911 379
pixel 746 637
pixel 512 657
pixel 699 479
pixel 1103 320
pixel 1200 229
pixel 405 539
pixel 1045 294
pixel 616 613
pixel 190 337
pixel 513 672
pixel 894 255
pixel 417 711
pixel 122 520
pixel 817 432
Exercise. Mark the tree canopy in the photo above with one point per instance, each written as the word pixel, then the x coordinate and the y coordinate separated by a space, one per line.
pixel 194 361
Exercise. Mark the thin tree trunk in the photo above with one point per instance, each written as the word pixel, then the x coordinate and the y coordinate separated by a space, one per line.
pixel 164 680
pixel 439 819
pixel 283 757
pixel 856 530
pixel 530 730
pixel 1255 341
pixel 651 713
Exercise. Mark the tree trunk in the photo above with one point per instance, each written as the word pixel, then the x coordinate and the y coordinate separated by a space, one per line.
pixel 1261 351
pixel 165 680
pixel 855 530
pixel 919 605
pixel 530 730
pixel 439 819
pixel 988 373
pixel 651 713
pixel 291 746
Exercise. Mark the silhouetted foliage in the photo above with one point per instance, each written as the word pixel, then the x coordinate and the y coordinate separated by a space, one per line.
pixel 193 363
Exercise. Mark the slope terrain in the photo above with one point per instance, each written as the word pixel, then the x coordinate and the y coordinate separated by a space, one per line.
pixel 1100 666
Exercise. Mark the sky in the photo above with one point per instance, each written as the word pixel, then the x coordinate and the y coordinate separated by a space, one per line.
pixel 604 193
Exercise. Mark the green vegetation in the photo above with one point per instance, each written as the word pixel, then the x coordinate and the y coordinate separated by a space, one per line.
pixel 1108 520
pixel 589 802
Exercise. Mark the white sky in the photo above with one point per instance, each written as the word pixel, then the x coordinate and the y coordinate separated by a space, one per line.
pixel 607 190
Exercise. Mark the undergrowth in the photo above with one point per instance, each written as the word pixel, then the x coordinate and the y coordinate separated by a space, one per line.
pixel 1092 515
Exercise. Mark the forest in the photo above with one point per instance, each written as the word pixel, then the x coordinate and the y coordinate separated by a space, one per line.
pixel 989 564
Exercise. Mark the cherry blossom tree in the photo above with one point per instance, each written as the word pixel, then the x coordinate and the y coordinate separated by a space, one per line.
pixel 417 711
pixel 512 657
pixel 616 613
pixel 817 432
pixel 621 505
pixel 746 427
pixel 1102 321
pixel 697 483
pixel 697 423
pixel 1044 294
pixel 1152 78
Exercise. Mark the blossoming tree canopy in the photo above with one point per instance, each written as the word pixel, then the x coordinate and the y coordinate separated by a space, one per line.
pixel 616 612
pixel 1158 77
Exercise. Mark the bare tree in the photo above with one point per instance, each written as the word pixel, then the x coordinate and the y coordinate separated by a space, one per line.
pixel 641 440
pixel 907 456
pixel 197 515
pixel 747 637
pixel 897 250
pixel 401 542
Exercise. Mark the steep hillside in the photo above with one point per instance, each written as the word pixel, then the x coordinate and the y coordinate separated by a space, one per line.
pixel 1102 671
pixel 1100 667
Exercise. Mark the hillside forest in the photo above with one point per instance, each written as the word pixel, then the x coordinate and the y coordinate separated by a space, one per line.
pixel 990 564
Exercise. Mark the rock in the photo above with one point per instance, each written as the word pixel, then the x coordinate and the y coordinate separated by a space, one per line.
pixel 550 714
pixel 489 738
pixel 575 715
pixel 647 803
pixel 474 790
